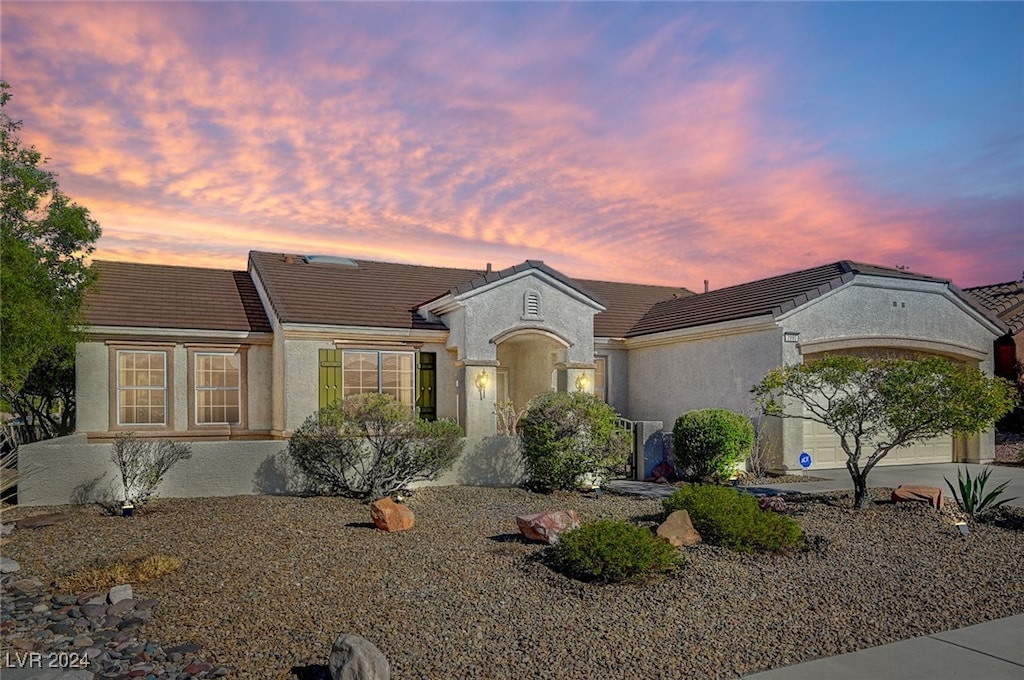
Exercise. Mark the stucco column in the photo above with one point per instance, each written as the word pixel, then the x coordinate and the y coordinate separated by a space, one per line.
pixel 477 394
pixel 578 377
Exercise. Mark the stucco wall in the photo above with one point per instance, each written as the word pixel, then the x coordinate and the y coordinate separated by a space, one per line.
pixel 92 385
pixel 65 466
pixel 617 377
pixel 500 308
pixel 707 372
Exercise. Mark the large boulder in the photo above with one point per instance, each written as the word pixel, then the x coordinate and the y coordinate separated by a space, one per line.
pixel 932 495
pixel 356 658
pixel 389 516
pixel 548 526
pixel 678 530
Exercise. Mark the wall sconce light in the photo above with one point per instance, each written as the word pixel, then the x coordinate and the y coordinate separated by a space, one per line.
pixel 582 382
pixel 481 381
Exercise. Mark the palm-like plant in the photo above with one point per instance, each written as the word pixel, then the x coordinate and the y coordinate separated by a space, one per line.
pixel 972 498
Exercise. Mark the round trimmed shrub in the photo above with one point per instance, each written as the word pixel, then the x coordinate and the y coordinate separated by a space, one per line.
pixel 724 516
pixel 709 443
pixel 566 435
pixel 613 551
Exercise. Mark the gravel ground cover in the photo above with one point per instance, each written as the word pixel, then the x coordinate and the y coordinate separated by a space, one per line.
pixel 269 582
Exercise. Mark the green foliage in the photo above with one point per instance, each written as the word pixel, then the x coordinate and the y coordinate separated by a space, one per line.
pixel 878 404
pixel 708 443
pixel 723 516
pixel 143 463
pixel 972 498
pixel 45 239
pixel 370 445
pixel 566 435
pixel 613 551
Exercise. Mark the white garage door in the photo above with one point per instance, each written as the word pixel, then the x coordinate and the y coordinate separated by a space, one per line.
pixel 823 445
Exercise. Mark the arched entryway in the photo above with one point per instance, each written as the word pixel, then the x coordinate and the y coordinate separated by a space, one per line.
pixel 528 364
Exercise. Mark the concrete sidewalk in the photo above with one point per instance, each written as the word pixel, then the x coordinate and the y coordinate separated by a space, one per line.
pixel 988 651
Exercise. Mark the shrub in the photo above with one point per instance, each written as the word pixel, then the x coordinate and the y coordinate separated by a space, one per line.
pixel 612 551
pixel 972 498
pixel 566 435
pixel 708 443
pixel 731 519
pixel 143 463
pixel 115 573
pixel 370 446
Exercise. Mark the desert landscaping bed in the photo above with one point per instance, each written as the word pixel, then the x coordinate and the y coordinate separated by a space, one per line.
pixel 269 582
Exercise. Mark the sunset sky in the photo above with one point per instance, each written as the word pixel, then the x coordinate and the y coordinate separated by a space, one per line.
pixel 653 142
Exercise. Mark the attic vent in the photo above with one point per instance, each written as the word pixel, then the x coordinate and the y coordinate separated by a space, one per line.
pixel 329 259
pixel 531 305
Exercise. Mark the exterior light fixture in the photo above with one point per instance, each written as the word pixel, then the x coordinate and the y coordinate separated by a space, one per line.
pixel 582 382
pixel 481 381
pixel 791 336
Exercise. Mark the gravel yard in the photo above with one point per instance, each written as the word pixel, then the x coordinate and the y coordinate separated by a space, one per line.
pixel 269 582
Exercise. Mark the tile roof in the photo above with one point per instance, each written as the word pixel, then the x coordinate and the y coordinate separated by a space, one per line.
pixel 774 295
pixel 1005 300
pixel 158 296
pixel 385 294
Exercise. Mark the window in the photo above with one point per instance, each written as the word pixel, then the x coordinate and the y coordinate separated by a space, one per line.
pixel 141 388
pixel 391 373
pixel 218 388
pixel 601 378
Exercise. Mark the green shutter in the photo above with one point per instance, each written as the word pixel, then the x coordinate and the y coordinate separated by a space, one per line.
pixel 426 400
pixel 330 376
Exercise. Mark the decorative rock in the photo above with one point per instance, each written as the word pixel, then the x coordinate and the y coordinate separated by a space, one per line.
pixel 37 521
pixel 90 597
pixel 6 529
pixel 118 593
pixel 389 516
pixel 356 658
pixel 773 503
pixel 8 566
pixel 678 530
pixel 93 611
pixel 122 607
pixel 932 495
pixel 548 526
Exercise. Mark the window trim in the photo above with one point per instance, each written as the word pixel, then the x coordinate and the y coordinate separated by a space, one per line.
pixel 243 385
pixel 602 358
pixel 114 423
pixel 413 354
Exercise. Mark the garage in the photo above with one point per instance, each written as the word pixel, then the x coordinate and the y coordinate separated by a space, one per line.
pixel 826 451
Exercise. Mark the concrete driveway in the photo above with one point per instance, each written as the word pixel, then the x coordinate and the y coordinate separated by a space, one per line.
pixel 932 474
pixel 890 476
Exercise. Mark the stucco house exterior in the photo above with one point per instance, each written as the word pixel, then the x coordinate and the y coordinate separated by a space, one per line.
pixel 235 361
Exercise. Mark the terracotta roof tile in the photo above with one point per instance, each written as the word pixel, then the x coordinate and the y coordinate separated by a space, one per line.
pixel 1005 300
pixel 774 295
pixel 384 294
pixel 157 296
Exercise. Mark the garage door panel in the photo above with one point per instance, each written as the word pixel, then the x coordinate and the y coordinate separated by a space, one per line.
pixel 826 451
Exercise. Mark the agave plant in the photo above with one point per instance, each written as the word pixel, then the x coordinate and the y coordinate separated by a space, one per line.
pixel 972 498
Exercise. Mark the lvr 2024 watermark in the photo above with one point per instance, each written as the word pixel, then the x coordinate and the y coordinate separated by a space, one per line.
pixel 45 660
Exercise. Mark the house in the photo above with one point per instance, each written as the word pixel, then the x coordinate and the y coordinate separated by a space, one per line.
pixel 235 361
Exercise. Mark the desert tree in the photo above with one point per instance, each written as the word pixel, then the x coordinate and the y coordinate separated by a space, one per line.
pixel 875 405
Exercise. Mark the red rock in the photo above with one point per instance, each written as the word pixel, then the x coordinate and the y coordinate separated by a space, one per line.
pixel 774 503
pixel 932 495
pixel 678 530
pixel 547 526
pixel 389 516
